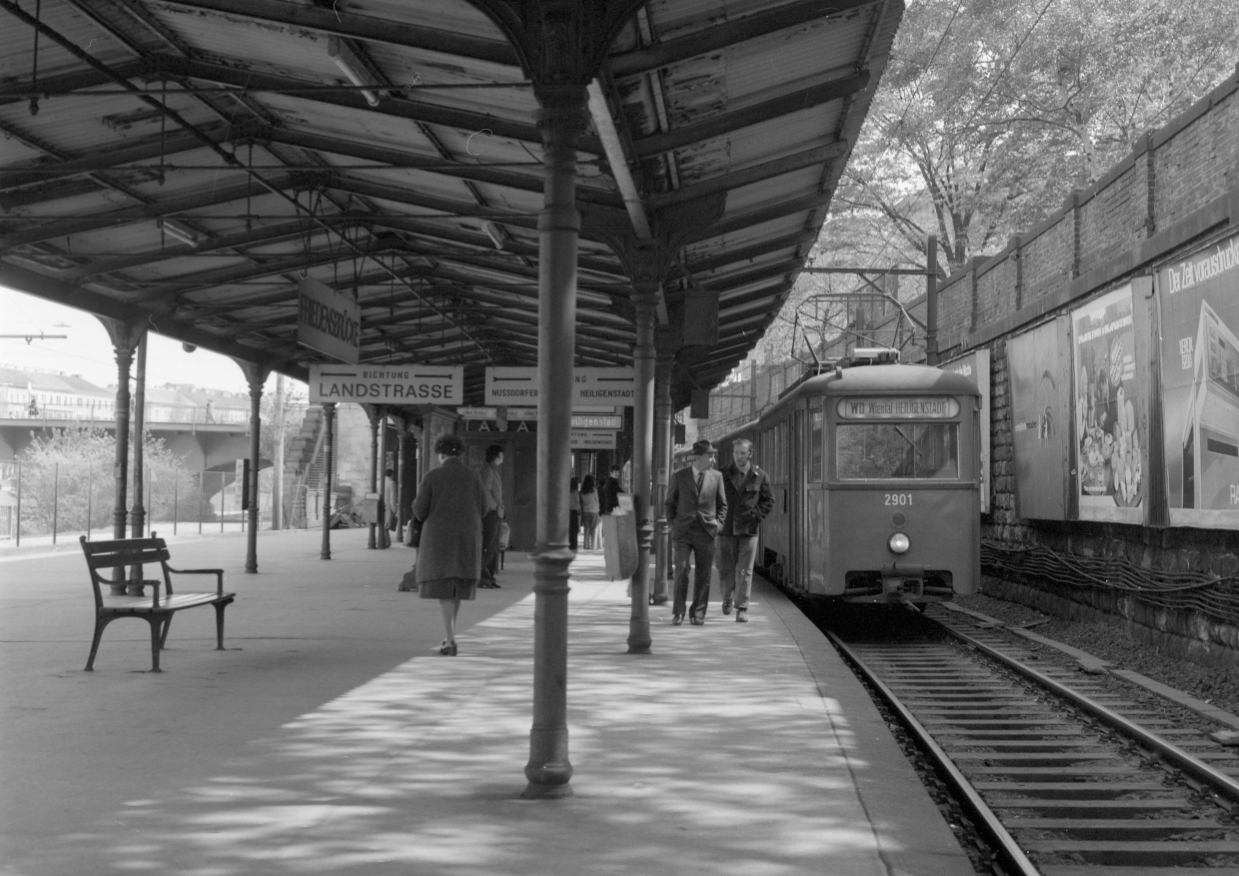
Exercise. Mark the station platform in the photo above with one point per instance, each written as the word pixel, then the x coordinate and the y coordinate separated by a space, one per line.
pixel 330 738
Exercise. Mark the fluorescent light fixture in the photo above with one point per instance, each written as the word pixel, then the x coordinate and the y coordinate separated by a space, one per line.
pixel 494 233
pixel 177 231
pixel 352 66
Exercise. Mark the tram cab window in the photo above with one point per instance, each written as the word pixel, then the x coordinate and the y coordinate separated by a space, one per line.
pixel 891 451
pixel 817 422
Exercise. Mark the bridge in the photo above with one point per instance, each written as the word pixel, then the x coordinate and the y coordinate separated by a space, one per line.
pixel 203 438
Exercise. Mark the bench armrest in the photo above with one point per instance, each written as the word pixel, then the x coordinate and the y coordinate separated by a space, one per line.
pixel 218 573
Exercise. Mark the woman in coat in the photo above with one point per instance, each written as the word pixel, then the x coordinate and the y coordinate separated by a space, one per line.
pixel 450 503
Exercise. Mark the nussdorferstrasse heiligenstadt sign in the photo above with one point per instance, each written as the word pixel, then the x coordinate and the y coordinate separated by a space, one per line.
pixel 518 385
pixel 387 384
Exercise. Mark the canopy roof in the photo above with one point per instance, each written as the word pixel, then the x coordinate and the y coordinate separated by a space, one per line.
pixel 726 122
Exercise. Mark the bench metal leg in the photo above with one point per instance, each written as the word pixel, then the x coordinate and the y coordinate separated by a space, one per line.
pixel 219 627
pixel 163 635
pixel 157 624
pixel 100 623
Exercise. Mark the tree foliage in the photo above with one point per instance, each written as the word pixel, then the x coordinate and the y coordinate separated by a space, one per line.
pixel 991 112
pixel 68 479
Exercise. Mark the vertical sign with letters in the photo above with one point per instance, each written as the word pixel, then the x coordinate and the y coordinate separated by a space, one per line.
pixel 328 321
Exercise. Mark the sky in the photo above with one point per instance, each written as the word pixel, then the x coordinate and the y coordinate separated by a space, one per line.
pixel 87 351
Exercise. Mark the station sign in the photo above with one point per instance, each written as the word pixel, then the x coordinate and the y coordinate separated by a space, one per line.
pixel 387 384
pixel 586 439
pixel 612 422
pixel 590 386
pixel 328 321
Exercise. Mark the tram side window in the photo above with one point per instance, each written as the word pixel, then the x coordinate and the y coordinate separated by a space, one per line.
pixel 817 421
pixel 888 451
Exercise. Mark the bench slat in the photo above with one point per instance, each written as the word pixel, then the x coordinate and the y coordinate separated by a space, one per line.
pixel 172 603
pixel 126 556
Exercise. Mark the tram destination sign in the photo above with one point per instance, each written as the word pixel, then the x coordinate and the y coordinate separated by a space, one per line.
pixel 897 408
pixel 590 386
pixel 387 385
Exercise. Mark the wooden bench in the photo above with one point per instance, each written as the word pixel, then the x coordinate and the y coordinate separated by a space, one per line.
pixel 157 610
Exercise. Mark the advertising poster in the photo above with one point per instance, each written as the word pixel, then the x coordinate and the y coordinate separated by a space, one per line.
pixel 975 366
pixel 1111 418
pixel 1039 366
pixel 1198 301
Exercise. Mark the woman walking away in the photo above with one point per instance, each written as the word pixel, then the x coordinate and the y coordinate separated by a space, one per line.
pixel 450 503
pixel 589 511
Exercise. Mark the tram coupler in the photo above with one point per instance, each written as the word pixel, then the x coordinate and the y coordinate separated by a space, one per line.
pixel 901 580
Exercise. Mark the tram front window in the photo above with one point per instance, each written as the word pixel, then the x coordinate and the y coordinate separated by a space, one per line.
pixel 894 451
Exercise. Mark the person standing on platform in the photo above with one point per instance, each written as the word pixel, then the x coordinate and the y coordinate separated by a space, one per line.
pixel 490 523
pixel 389 508
pixel 589 511
pixel 574 513
pixel 696 507
pixel 451 503
pixel 608 498
pixel 749 500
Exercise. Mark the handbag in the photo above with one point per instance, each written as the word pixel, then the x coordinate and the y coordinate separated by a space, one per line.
pixel 413 538
pixel 505 533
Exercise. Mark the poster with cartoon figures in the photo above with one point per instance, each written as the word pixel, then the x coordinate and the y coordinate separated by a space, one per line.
pixel 1039 365
pixel 1110 417
pixel 1198 300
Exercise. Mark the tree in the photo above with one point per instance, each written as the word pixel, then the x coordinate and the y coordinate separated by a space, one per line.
pixel 67 477
pixel 990 112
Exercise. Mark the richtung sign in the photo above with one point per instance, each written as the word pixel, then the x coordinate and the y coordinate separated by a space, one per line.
pixel 387 385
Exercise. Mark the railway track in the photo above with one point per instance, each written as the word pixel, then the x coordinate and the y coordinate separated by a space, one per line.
pixel 1066 773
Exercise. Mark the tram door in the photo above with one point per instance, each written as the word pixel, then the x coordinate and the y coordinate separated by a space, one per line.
pixel 796 554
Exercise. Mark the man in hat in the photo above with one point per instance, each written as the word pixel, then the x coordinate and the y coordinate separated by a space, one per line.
pixel 697 508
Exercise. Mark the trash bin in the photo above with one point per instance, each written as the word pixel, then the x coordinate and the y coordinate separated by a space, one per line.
pixel 370 508
pixel 619 545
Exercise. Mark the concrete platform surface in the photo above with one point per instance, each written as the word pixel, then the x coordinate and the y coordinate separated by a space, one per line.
pixel 329 738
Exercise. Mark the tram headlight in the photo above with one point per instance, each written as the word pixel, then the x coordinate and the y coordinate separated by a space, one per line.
pixel 898 543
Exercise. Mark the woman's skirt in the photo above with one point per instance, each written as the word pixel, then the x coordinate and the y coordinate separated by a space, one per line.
pixel 448 588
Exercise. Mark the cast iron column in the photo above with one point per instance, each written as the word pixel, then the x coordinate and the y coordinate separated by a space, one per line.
pixel 402 441
pixel 124 341
pixel 562 120
pixel 662 470
pixel 373 412
pixel 124 359
pixel 251 537
pixel 329 421
pixel 381 531
pixel 137 515
pixel 642 451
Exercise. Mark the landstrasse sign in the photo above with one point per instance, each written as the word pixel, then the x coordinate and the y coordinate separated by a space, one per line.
pixel 387 385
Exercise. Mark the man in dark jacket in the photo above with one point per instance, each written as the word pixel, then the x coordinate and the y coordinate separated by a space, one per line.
pixel 696 508
pixel 749 500
pixel 608 496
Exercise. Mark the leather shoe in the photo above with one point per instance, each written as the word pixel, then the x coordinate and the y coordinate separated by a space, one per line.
pixel 742 616
pixel 726 606
pixel 696 620
pixel 677 619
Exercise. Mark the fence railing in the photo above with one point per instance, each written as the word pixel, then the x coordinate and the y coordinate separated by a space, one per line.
pixel 37 502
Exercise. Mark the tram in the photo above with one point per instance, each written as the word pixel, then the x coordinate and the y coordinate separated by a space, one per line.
pixel 876 474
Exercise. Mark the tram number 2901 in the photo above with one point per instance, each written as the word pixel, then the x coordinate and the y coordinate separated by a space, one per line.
pixel 898 499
